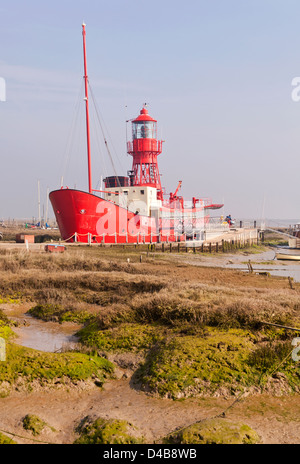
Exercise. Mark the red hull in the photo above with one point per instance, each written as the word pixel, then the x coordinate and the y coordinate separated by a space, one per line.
pixel 87 218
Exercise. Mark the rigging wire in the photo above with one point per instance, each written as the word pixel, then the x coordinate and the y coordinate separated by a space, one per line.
pixel 70 139
pixel 111 142
pixel 104 137
pixel 75 130
pixel 98 143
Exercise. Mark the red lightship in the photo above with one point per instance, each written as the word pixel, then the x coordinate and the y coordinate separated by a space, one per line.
pixel 132 208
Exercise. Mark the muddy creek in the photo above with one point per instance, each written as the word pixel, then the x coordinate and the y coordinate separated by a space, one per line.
pixel 41 335
pixel 261 262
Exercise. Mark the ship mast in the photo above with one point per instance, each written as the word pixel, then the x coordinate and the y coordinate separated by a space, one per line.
pixel 87 110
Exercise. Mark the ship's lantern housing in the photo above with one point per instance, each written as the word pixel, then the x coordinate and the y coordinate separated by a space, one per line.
pixel 144 149
pixel 144 130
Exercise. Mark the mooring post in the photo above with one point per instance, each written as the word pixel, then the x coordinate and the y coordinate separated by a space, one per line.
pixel 250 267
pixel 291 282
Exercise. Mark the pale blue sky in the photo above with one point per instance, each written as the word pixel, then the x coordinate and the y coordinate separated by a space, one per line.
pixel 216 74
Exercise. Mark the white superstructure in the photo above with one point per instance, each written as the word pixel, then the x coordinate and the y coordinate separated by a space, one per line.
pixel 141 200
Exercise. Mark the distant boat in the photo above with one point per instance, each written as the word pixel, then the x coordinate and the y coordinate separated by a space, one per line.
pixel 288 257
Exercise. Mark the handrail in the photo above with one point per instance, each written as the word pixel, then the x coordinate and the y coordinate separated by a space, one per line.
pixel 278 232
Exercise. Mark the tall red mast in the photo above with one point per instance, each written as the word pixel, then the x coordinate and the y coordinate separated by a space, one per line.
pixel 87 111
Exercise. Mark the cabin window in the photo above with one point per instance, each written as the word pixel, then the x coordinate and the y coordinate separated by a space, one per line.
pixel 125 192
pixel 142 192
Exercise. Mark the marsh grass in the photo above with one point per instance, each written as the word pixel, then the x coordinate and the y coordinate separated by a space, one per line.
pixel 177 315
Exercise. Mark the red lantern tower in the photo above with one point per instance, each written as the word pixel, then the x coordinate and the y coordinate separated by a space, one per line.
pixel 144 149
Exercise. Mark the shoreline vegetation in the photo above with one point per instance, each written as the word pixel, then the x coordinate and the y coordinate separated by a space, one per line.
pixel 177 330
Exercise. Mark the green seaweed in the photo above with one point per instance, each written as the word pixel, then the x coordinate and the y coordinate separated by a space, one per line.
pixel 46 367
pixel 4 440
pixel 216 432
pixel 107 431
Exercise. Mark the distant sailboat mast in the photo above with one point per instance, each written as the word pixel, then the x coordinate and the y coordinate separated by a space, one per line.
pixel 39 203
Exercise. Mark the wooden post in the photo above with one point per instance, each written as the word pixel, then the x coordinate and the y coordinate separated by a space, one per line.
pixel 291 282
pixel 250 267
